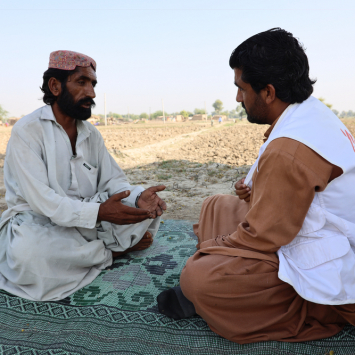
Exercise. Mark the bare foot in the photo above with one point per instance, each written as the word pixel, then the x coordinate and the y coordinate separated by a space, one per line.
pixel 144 243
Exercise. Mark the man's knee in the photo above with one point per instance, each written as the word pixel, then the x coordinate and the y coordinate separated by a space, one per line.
pixel 21 252
pixel 193 280
pixel 212 199
pixel 221 200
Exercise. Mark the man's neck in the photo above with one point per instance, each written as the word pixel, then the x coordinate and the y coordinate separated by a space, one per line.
pixel 68 123
pixel 276 111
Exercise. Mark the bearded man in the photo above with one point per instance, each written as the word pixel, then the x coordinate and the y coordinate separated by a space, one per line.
pixel 71 208
pixel 278 262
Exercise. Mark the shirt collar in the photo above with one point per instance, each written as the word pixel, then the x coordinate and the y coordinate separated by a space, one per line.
pixel 47 114
pixel 269 130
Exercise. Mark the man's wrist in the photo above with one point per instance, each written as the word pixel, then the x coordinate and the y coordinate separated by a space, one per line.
pixel 137 198
pixel 99 217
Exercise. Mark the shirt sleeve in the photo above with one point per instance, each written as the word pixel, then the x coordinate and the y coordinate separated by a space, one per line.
pixel 112 179
pixel 289 174
pixel 30 173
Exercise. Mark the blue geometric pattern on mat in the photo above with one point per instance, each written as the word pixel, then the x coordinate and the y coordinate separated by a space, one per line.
pixel 117 313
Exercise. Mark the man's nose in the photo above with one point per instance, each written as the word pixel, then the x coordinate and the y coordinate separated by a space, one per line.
pixel 90 92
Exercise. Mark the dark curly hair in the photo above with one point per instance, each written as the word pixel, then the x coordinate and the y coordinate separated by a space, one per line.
pixel 275 57
pixel 59 74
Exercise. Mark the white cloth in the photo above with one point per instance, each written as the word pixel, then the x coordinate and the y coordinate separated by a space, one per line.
pixel 50 243
pixel 320 262
pixel 248 179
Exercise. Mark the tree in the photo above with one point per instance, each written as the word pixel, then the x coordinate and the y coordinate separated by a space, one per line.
pixel 323 100
pixel 114 115
pixel 342 114
pixel 350 113
pixel 3 113
pixel 336 112
pixel 130 116
pixel 233 114
pixel 157 114
pixel 184 113
pixel 199 111
pixel 143 115
pixel 218 106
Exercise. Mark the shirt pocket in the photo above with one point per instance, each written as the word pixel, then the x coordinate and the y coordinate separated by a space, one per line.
pixel 315 252
pixel 88 179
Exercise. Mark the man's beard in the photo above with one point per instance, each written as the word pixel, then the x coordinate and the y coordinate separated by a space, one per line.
pixel 258 113
pixel 73 109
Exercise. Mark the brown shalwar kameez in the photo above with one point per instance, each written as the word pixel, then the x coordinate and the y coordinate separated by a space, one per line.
pixel 232 279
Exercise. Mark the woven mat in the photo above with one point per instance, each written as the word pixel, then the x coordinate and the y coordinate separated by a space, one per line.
pixel 117 313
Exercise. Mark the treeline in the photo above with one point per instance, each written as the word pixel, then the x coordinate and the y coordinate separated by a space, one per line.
pixel 153 115
pixel 3 114
pixel 238 112
pixel 344 114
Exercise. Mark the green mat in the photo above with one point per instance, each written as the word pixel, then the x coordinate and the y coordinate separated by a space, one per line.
pixel 117 313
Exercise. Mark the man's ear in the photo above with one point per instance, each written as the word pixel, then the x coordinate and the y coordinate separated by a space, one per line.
pixel 270 93
pixel 55 86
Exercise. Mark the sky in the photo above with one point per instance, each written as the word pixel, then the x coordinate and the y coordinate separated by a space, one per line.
pixel 176 51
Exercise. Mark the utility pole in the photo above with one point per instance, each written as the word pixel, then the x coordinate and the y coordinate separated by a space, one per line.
pixel 205 111
pixel 105 112
pixel 128 111
pixel 149 113
pixel 162 102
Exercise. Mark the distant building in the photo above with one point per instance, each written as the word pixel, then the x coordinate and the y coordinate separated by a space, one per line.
pixel 92 120
pixel 202 117
pixel 12 120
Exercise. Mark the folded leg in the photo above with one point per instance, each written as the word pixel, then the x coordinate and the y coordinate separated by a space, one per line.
pixel 241 297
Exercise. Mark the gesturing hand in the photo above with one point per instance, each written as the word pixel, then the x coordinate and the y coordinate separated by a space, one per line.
pixel 242 190
pixel 114 211
pixel 149 200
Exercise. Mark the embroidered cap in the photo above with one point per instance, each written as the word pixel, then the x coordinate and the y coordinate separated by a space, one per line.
pixel 69 60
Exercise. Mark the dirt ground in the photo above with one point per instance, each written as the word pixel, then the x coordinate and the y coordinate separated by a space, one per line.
pixel 193 160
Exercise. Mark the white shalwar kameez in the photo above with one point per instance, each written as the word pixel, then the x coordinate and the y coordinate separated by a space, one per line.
pixel 51 244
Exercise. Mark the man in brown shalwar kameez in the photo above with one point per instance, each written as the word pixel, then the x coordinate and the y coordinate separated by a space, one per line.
pixel 232 280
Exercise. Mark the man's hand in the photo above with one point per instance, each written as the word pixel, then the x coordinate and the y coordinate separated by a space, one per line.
pixel 149 200
pixel 242 191
pixel 114 211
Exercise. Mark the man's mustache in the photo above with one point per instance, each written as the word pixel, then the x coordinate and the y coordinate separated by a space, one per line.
pixel 85 101
pixel 243 105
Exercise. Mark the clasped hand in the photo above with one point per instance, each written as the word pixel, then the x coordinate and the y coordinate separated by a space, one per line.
pixel 242 190
pixel 150 206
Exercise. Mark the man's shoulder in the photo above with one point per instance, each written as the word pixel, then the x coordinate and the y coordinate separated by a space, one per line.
pixel 287 145
pixel 28 120
pixel 298 153
pixel 293 149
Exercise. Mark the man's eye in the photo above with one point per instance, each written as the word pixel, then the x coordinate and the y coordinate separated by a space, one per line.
pixel 81 82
